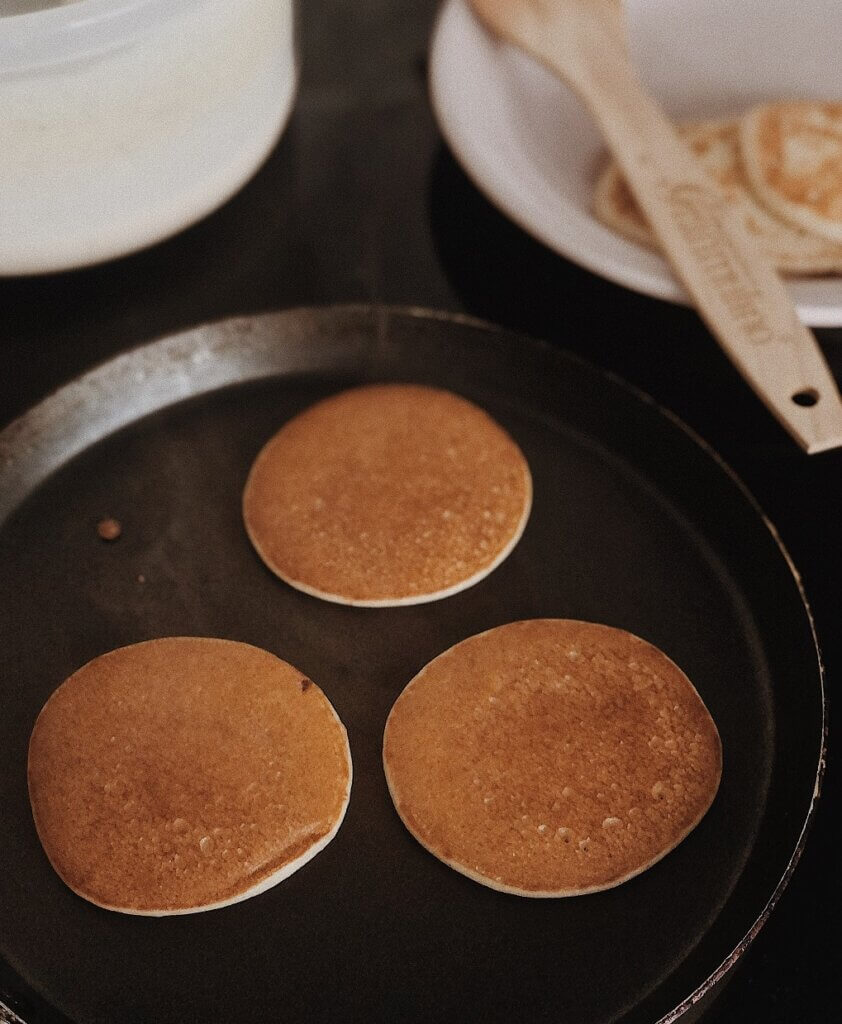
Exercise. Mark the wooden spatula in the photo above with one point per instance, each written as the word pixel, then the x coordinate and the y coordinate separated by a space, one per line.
pixel 736 291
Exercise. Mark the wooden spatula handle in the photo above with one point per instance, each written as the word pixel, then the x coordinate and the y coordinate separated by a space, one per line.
pixel 736 291
pixel 734 288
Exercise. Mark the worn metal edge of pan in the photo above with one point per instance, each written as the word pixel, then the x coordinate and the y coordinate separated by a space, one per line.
pixel 730 961
pixel 89 393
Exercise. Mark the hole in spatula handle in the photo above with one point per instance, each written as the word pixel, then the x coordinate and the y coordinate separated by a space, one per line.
pixel 807 397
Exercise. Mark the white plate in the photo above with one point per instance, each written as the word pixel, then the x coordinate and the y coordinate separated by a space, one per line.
pixel 528 143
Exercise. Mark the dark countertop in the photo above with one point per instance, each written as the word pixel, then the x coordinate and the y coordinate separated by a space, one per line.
pixel 361 201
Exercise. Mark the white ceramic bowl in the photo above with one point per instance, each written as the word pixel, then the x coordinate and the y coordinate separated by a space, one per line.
pixel 124 121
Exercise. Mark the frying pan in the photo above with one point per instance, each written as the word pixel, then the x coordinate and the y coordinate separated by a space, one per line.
pixel 636 523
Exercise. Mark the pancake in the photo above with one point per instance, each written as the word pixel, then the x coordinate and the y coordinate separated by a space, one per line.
pixel 551 757
pixel 615 207
pixel 792 249
pixel 184 774
pixel 387 494
pixel 793 158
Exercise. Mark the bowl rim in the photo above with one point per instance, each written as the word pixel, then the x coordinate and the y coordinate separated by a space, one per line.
pixel 54 36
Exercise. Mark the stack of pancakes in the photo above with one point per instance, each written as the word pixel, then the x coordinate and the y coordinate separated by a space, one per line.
pixel 780 168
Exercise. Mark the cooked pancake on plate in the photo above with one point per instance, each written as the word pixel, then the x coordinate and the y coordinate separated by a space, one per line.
pixel 793 158
pixel 185 773
pixel 387 494
pixel 551 757
pixel 616 207
pixel 792 249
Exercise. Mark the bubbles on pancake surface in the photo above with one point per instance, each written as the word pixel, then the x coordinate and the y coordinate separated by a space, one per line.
pixel 487 785
pixel 387 494
pixel 209 775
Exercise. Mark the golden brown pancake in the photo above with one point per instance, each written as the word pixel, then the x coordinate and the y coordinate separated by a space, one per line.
pixel 185 773
pixel 387 494
pixel 551 757
pixel 792 154
pixel 792 249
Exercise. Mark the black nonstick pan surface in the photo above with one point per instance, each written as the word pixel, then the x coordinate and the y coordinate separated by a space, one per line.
pixel 635 523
